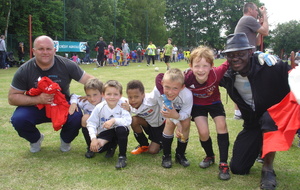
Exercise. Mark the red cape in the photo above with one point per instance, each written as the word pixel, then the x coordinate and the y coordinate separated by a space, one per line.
pixel 286 115
pixel 58 111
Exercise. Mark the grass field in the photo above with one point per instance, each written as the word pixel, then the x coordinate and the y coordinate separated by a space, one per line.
pixel 52 169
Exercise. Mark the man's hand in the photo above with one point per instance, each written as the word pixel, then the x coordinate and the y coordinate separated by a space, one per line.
pixel 263 58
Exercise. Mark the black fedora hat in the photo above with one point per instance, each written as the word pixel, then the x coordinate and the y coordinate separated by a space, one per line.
pixel 237 42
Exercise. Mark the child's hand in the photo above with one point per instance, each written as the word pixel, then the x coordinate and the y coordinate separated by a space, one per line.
pixel 179 133
pixel 169 113
pixel 108 124
pixel 82 98
pixel 73 108
pixel 95 145
pixel 126 106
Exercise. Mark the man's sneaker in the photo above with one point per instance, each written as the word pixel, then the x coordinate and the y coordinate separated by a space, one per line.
pixel 181 159
pixel 299 144
pixel 64 147
pixel 166 161
pixel 36 147
pixel 121 162
pixel 111 152
pixel 224 171
pixel 147 64
pixel 268 180
pixel 140 149
pixel 208 161
pixel 89 154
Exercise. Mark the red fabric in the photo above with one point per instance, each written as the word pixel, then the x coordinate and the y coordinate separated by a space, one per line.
pixel 58 111
pixel 286 115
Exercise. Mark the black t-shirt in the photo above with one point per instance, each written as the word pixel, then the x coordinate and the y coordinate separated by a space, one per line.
pixel 101 46
pixel 62 72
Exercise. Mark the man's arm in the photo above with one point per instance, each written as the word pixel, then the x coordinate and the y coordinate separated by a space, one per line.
pixel 85 78
pixel 264 29
pixel 18 98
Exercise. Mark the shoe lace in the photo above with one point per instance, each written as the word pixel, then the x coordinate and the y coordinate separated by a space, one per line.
pixel 224 168
pixel 207 159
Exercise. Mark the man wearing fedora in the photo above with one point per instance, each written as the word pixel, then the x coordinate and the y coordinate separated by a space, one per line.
pixel 254 87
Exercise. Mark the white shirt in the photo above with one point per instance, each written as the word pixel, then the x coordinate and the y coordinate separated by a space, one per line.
pixel 150 112
pixel 183 102
pixel 243 86
pixel 85 106
pixel 103 113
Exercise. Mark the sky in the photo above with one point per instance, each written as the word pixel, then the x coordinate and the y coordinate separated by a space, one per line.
pixel 281 11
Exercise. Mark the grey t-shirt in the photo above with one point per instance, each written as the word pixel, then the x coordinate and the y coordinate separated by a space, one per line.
pixel 249 26
pixel 62 72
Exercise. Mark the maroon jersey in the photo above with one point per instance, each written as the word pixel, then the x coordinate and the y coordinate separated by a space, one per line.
pixel 207 93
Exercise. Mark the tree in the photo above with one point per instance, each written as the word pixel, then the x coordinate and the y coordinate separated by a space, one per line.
pixel 285 37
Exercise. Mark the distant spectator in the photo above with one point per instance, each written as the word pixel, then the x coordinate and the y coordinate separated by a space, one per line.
pixel 2 52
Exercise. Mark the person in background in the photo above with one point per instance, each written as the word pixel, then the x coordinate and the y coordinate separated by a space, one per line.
pixel 101 46
pixel 21 53
pixel 111 53
pixel 2 52
pixel 126 51
pixel 174 54
pixel 139 49
pixel 87 58
pixel 254 23
pixel 151 53
pixel 168 52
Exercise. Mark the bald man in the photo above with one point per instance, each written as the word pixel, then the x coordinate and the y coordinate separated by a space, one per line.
pixel 27 115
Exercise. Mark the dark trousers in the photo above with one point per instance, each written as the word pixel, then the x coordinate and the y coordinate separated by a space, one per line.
pixel 100 58
pixel 151 57
pixel 25 119
pixel 2 59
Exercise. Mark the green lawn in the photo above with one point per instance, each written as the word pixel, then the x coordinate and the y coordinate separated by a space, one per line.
pixel 52 169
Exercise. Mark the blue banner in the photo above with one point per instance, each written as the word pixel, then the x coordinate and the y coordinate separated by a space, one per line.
pixel 65 46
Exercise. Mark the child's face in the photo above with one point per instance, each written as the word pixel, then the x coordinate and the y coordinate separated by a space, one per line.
pixel 112 96
pixel 93 96
pixel 201 69
pixel 172 88
pixel 135 97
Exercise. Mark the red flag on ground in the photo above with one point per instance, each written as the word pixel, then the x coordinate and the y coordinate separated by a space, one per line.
pixel 286 115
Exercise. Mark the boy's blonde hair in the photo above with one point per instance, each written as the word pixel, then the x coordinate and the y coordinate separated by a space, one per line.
pixel 174 74
pixel 202 52
pixel 94 84
pixel 113 83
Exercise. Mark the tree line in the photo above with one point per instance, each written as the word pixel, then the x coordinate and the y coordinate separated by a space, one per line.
pixel 188 22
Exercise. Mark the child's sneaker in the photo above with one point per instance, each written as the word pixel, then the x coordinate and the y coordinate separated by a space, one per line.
pixel 89 154
pixel 166 161
pixel 224 171
pixel 259 159
pixel 121 162
pixel 207 161
pixel 140 149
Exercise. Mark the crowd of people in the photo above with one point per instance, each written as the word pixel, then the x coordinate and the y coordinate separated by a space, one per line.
pixel 254 82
